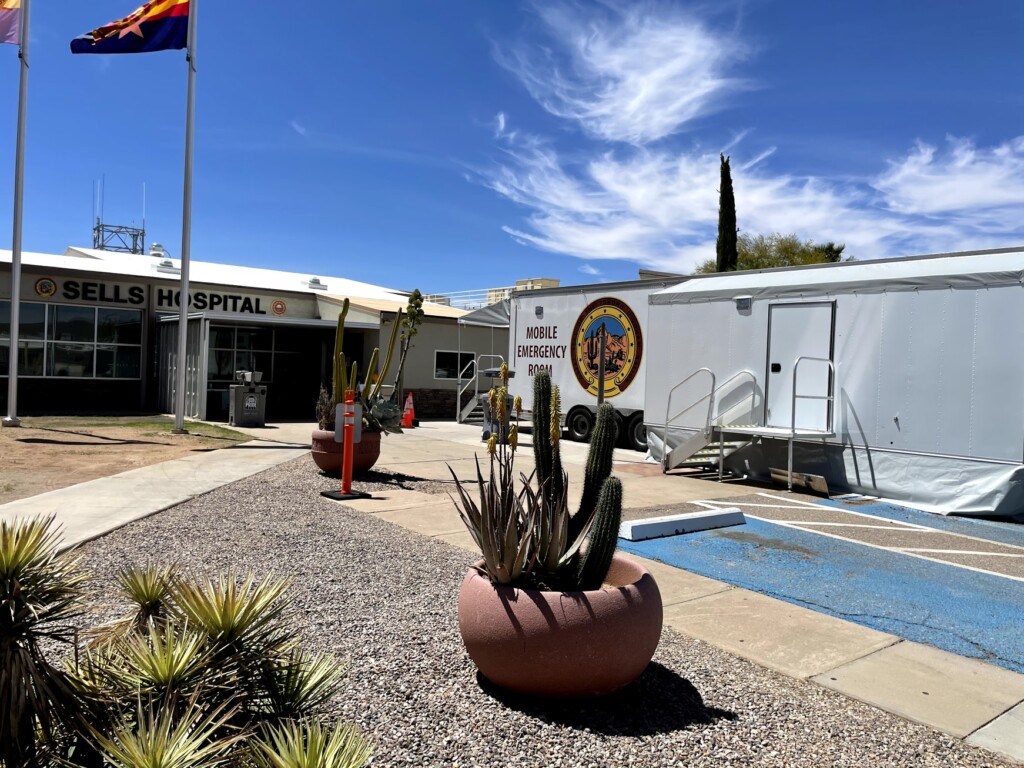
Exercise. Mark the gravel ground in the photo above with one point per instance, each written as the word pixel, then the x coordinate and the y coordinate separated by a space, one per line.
pixel 386 599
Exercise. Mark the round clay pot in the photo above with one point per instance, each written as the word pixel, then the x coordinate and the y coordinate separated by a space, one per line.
pixel 563 644
pixel 328 454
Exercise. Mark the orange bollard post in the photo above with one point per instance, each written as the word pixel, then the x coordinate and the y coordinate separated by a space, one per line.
pixel 348 413
pixel 348 443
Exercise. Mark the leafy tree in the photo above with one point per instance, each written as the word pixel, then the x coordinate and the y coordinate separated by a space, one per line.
pixel 775 250
pixel 725 247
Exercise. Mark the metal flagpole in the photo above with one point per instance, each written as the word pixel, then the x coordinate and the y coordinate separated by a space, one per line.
pixel 12 419
pixel 186 224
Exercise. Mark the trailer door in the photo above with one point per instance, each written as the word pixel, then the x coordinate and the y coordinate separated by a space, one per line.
pixel 795 331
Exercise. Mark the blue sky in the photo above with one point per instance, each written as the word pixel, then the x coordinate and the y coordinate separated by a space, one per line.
pixel 465 144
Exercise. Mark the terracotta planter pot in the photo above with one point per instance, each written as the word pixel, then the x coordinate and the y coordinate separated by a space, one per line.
pixel 328 454
pixel 563 644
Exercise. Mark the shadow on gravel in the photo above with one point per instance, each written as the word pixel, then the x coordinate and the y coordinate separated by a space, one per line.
pixel 398 480
pixel 659 702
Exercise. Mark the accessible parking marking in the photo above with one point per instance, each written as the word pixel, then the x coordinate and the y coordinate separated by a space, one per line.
pixel 906 572
pixel 974 553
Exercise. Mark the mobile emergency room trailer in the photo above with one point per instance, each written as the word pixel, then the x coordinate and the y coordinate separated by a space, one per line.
pixel 559 330
pixel 899 378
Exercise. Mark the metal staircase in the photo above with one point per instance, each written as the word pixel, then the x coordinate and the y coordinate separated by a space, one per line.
pixel 473 411
pixel 709 447
pixel 721 437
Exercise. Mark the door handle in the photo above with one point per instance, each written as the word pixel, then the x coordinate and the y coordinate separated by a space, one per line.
pixel 776 367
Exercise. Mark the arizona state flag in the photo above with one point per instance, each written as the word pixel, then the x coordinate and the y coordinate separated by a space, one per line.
pixel 10 21
pixel 159 25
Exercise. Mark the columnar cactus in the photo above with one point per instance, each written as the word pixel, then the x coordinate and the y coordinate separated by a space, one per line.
pixel 339 379
pixel 542 445
pixel 599 465
pixel 601 505
pixel 604 534
pixel 377 415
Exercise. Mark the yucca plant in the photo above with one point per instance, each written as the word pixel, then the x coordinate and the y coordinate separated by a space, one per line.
pixel 237 615
pixel 172 659
pixel 148 589
pixel 300 683
pixel 527 536
pixel 246 625
pixel 166 734
pixel 39 587
pixel 305 744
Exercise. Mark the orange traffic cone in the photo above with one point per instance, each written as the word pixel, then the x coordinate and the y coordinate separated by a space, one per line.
pixel 409 414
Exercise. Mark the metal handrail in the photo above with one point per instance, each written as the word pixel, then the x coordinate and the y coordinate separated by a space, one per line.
pixel 753 380
pixel 458 395
pixel 792 416
pixel 475 380
pixel 721 439
pixel 668 407
pixel 488 357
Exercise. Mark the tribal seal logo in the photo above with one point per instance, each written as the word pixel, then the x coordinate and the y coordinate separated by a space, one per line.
pixel 278 307
pixel 623 346
pixel 46 287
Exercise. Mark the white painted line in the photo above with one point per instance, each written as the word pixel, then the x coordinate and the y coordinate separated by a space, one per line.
pixel 959 552
pixel 755 504
pixel 705 504
pixel 894 550
pixel 893 527
pixel 791 501
pixel 672 525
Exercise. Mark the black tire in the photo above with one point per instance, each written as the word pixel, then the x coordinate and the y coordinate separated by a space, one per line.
pixel 636 432
pixel 579 423
pixel 621 438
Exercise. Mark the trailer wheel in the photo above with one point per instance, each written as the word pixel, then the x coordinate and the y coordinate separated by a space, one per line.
pixel 636 432
pixel 621 438
pixel 579 423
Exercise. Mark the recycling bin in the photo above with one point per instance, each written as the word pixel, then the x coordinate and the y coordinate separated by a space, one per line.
pixel 247 401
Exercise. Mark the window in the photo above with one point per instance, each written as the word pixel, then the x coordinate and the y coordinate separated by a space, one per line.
pixel 239 349
pixel 73 341
pixel 447 365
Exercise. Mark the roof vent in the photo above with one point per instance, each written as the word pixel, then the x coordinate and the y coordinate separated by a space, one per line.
pixel 166 265
pixel 315 284
pixel 157 250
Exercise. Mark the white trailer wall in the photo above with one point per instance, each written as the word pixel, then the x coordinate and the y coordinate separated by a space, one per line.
pixel 929 358
pixel 561 308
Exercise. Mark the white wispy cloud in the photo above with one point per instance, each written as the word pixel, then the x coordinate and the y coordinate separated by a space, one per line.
pixel 298 128
pixel 589 269
pixel 624 73
pixel 961 178
pixel 643 200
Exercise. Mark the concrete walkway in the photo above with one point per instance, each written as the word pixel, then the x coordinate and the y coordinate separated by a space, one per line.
pixel 965 698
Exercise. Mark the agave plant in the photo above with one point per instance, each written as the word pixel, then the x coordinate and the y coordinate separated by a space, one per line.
pixel 310 745
pixel 39 587
pixel 528 536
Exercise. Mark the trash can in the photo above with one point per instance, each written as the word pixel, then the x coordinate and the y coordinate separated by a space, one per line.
pixel 491 424
pixel 247 400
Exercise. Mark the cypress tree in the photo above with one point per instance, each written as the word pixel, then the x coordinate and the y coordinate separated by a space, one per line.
pixel 725 247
